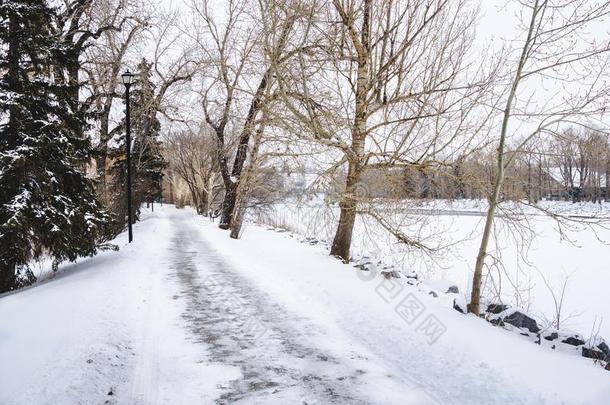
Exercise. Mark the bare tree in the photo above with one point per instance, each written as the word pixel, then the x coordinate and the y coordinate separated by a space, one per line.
pixel 235 84
pixel 546 51
pixel 172 64
pixel 81 23
pixel 191 155
pixel 383 86
pixel 102 71
pixel 559 297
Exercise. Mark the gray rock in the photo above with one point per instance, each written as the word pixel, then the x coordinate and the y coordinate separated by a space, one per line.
pixel 496 321
pixel 593 353
pixel 496 308
pixel 311 241
pixel 552 336
pixel 574 341
pixel 459 305
pixel 412 275
pixel 453 290
pixel 520 320
pixel 390 274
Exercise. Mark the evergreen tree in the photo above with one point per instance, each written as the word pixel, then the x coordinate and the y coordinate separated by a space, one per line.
pixel 146 156
pixel 149 160
pixel 47 204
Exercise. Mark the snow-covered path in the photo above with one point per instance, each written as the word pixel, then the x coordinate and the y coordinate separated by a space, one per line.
pixel 184 315
pixel 245 328
pixel 166 320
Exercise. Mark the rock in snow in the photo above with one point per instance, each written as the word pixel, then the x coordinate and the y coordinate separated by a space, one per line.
pixel 459 304
pixel 521 320
pixel 390 274
pixel 496 308
pixel 551 336
pixel 574 341
pixel 500 314
pixel 453 290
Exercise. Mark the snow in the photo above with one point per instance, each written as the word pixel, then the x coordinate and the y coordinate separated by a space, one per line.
pixel 582 255
pixel 105 323
pixel 470 363
pixel 169 320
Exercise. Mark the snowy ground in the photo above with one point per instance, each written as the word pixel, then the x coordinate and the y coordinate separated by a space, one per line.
pixel 582 256
pixel 185 315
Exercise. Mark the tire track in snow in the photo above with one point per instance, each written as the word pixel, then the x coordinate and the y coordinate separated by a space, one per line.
pixel 146 372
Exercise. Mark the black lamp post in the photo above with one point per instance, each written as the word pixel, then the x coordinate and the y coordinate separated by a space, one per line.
pixel 127 78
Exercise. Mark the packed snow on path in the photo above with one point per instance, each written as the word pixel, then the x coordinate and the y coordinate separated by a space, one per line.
pixel 185 315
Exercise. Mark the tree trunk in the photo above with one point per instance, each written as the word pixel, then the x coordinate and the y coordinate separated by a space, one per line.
pixel 7 277
pixel 530 197
pixel 343 237
pixel 607 188
pixel 347 218
pixel 102 150
pixel 475 295
pixel 540 184
pixel 73 69
pixel 494 198
pixel 237 222
pixel 203 208
pixel 228 205
pixel 194 197
pixel 206 203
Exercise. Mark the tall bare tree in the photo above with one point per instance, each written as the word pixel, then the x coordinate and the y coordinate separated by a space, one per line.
pixel 549 51
pixel 235 85
pixel 81 23
pixel 384 86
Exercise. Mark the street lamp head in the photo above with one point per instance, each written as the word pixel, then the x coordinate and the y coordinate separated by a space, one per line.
pixel 127 78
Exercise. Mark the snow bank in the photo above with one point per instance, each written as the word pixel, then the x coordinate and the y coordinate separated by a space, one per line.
pixel 415 337
pixel 580 254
